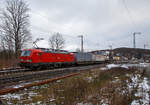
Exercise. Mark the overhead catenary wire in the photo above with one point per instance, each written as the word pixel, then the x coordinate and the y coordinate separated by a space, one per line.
pixel 129 13
pixel 50 32
pixel 135 26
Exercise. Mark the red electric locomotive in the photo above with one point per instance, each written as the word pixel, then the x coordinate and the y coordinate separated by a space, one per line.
pixel 41 57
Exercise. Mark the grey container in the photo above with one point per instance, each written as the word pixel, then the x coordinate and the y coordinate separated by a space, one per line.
pixel 83 57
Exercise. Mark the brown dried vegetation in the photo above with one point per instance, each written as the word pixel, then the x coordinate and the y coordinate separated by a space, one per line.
pixel 94 87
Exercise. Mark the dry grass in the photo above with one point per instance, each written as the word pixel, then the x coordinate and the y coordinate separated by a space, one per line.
pixel 6 63
pixel 95 87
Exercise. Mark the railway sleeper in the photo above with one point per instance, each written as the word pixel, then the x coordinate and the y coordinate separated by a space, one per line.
pixel 49 74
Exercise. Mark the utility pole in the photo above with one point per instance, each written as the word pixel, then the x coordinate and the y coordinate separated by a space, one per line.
pixel 81 36
pixel 145 46
pixel 111 53
pixel 134 43
pixel 110 46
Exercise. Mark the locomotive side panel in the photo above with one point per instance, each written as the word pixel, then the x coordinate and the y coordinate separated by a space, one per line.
pixel 37 58
pixel 29 58
pixel 47 57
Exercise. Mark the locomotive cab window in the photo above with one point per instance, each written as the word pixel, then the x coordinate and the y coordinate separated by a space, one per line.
pixel 26 53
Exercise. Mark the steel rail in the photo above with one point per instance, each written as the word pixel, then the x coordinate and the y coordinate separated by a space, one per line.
pixel 42 75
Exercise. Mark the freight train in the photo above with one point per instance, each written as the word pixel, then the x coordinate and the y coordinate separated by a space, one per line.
pixel 46 58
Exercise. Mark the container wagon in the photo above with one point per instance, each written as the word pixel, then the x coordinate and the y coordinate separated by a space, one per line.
pixel 97 58
pixel 83 58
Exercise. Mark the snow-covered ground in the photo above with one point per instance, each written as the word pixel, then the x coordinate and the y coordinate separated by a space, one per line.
pixel 110 66
pixel 143 91
pixel 143 88
pixel 141 65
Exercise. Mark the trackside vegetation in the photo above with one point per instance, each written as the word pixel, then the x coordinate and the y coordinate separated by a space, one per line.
pixel 116 86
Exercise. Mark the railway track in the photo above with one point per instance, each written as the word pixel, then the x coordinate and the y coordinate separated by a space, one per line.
pixel 23 76
pixel 13 71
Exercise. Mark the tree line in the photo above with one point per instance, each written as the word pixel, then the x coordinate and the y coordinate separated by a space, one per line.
pixel 14 26
pixel 14 29
pixel 15 32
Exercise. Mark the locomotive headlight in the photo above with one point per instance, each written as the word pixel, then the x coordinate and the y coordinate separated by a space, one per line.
pixel 29 60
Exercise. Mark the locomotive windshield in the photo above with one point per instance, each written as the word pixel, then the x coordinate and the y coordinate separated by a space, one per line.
pixel 26 53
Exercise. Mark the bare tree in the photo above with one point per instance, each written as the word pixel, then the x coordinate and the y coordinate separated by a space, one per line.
pixel 56 41
pixel 15 23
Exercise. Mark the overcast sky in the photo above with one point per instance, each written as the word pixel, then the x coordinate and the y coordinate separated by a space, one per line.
pixel 101 22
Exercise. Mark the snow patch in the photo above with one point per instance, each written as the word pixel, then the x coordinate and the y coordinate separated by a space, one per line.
pixel 139 65
pixel 39 102
pixel 52 99
pixel 126 66
pixel 110 66
pixel 31 94
pixel 103 68
pixel 90 79
pixel 145 64
pixel 18 86
pixel 142 91
pixel 12 96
